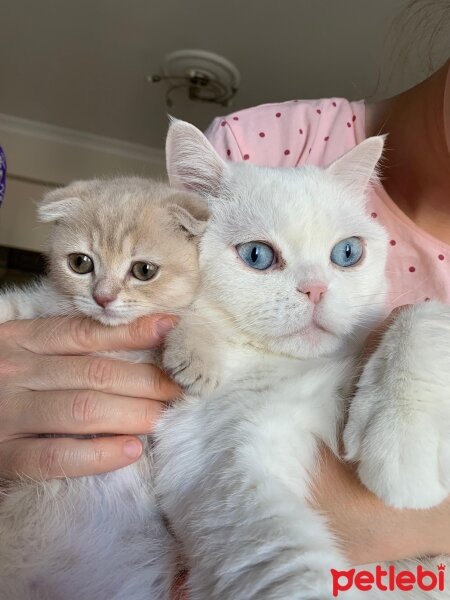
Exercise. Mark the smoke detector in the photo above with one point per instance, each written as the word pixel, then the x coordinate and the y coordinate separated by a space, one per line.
pixel 207 77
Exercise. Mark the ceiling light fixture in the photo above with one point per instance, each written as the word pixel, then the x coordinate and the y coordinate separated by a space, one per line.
pixel 207 77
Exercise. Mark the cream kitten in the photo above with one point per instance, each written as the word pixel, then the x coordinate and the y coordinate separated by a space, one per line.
pixel 120 249
pixel 293 279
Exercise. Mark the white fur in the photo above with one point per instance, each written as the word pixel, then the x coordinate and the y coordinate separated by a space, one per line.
pixel 399 421
pixel 233 462
pixel 96 538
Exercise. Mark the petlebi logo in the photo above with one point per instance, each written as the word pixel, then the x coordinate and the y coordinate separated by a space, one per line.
pixel 388 579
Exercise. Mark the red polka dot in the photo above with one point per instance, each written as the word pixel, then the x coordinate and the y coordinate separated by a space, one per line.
pixel 392 242
pixel 228 152
pixel 287 152
pixel 354 118
pixel 441 257
pixel 325 139
pixel 318 111
pixel 334 104
pixel 349 124
pixel 412 269
pixel 262 134
pixel 246 156
pixel 223 123
pixel 300 131
pixel 374 215
pixel 278 115
pixel 235 118
pixel 427 299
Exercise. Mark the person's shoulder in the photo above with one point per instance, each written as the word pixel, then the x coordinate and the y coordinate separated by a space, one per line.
pixel 290 133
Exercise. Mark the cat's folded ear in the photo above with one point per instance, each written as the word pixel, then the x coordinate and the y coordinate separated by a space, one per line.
pixel 60 203
pixel 192 162
pixel 357 169
pixel 189 213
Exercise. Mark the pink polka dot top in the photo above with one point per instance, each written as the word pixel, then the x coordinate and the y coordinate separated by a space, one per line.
pixel 298 132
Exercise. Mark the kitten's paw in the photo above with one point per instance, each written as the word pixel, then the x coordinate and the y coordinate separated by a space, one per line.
pixel 195 370
pixel 399 420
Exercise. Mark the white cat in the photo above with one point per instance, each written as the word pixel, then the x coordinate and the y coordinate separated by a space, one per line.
pixel 292 280
pixel 120 249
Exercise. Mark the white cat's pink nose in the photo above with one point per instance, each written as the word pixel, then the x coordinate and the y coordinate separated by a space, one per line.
pixel 104 299
pixel 314 290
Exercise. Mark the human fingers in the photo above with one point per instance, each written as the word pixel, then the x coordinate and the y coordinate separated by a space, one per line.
pixel 97 373
pixel 78 412
pixel 60 335
pixel 47 458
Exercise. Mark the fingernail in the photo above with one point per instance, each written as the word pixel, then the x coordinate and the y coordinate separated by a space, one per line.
pixel 164 325
pixel 132 449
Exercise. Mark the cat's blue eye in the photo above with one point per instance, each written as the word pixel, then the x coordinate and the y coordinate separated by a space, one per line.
pixel 256 255
pixel 347 252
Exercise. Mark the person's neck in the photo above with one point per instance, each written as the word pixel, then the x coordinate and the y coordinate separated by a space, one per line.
pixel 416 169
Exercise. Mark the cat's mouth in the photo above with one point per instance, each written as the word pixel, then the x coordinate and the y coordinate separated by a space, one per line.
pixel 313 330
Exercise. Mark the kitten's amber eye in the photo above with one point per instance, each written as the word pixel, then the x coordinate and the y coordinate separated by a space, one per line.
pixel 144 271
pixel 81 263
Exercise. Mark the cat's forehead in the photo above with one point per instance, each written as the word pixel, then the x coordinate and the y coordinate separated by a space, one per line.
pixel 118 226
pixel 294 202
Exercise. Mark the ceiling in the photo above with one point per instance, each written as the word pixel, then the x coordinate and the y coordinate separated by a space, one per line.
pixel 83 64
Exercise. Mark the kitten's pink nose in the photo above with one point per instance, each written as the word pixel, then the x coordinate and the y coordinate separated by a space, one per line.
pixel 104 299
pixel 314 290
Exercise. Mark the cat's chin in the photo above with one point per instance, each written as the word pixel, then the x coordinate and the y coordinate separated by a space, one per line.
pixel 312 341
pixel 110 319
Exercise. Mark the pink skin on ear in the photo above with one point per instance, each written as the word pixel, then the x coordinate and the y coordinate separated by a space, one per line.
pixel 313 289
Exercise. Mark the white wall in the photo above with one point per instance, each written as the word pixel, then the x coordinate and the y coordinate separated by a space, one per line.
pixel 42 156
pixel 18 225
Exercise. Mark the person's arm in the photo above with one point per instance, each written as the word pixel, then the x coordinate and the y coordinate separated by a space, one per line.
pixel 48 384
pixel 368 530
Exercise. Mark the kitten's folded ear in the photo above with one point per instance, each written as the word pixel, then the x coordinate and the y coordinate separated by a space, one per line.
pixel 189 213
pixel 60 203
pixel 357 169
pixel 192 162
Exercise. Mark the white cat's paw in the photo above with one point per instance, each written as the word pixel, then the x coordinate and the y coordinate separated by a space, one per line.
pixel 402 463
pixel 399 419
pixel 194 369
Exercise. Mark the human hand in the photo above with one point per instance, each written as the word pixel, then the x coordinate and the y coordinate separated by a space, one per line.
pixel 49 385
